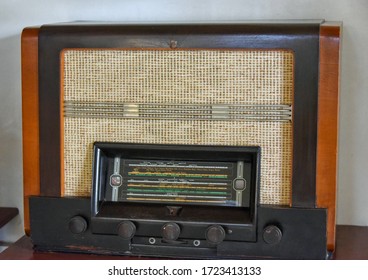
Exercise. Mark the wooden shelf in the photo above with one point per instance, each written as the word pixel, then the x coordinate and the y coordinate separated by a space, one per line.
pixel 7 214
pixel 351 243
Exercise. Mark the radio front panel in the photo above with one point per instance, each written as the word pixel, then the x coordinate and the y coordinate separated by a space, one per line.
pixel 182 140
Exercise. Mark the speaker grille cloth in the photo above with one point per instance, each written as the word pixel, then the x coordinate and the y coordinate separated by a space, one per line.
pixel 179 77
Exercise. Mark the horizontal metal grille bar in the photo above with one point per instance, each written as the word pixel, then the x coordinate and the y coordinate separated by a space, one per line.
pixel 251 112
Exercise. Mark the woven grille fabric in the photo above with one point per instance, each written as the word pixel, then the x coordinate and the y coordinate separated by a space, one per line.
pixel 179 77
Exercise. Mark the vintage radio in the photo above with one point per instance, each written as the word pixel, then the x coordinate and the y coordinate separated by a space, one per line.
pixel 185 141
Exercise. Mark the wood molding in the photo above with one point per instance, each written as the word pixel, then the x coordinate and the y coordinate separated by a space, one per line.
pixel 328 107
pixel 30 119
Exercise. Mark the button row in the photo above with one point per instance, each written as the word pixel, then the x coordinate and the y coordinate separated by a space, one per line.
pixel 171 231
pixel 215 234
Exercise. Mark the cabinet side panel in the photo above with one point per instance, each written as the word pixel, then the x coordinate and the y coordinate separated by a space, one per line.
pixel 30 118
pixel 328 107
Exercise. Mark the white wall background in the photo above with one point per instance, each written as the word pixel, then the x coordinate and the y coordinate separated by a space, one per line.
pixel 353 156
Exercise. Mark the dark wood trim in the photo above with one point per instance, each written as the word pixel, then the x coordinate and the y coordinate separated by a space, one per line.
pixel 61 100
pixel 305 122
pixel 302 38
pixel 30 119
pixel 351 244
pixel 328 107
pixel 303 233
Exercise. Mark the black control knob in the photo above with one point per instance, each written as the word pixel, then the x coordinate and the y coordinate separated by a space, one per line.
pixel 215 234
pixel 170 231
pixel 126 230
pixel 77 224
pixel 272 234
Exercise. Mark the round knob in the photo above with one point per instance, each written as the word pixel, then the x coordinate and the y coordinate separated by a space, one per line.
pixel 170 231
pixel 272 234
pixel 126 230
pixel 215 234
pixel 77 224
